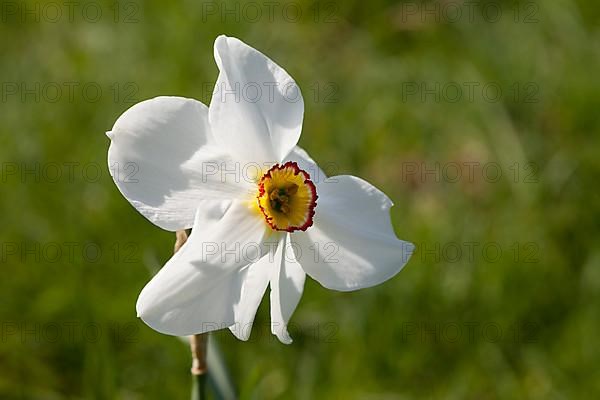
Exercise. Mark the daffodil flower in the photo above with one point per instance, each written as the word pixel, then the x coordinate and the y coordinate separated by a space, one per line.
pixel 262 212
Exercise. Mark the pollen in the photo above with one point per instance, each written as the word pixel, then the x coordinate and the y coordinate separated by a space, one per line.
pixel 287 197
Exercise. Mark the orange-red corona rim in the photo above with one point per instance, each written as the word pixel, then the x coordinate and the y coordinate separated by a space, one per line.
pixel 287 197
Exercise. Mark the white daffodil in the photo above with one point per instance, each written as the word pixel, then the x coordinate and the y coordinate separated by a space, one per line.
pixel 262 212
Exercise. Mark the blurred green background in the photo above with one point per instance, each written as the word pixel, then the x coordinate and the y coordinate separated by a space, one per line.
pixel 500 300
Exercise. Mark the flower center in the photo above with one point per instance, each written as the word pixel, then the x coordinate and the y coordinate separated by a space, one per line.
pixel 287 197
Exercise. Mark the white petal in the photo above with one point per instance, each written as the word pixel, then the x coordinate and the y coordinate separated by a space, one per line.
pixel 256 110
pixel 164 160
pixel 352 243
pixel 287 285
pixel 198 288
pixel 306 163
pixel 253 289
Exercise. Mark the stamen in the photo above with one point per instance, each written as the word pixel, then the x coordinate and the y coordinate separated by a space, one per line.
pixel 287 197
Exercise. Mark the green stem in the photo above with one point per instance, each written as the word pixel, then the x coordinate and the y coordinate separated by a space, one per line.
pixel 199 387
